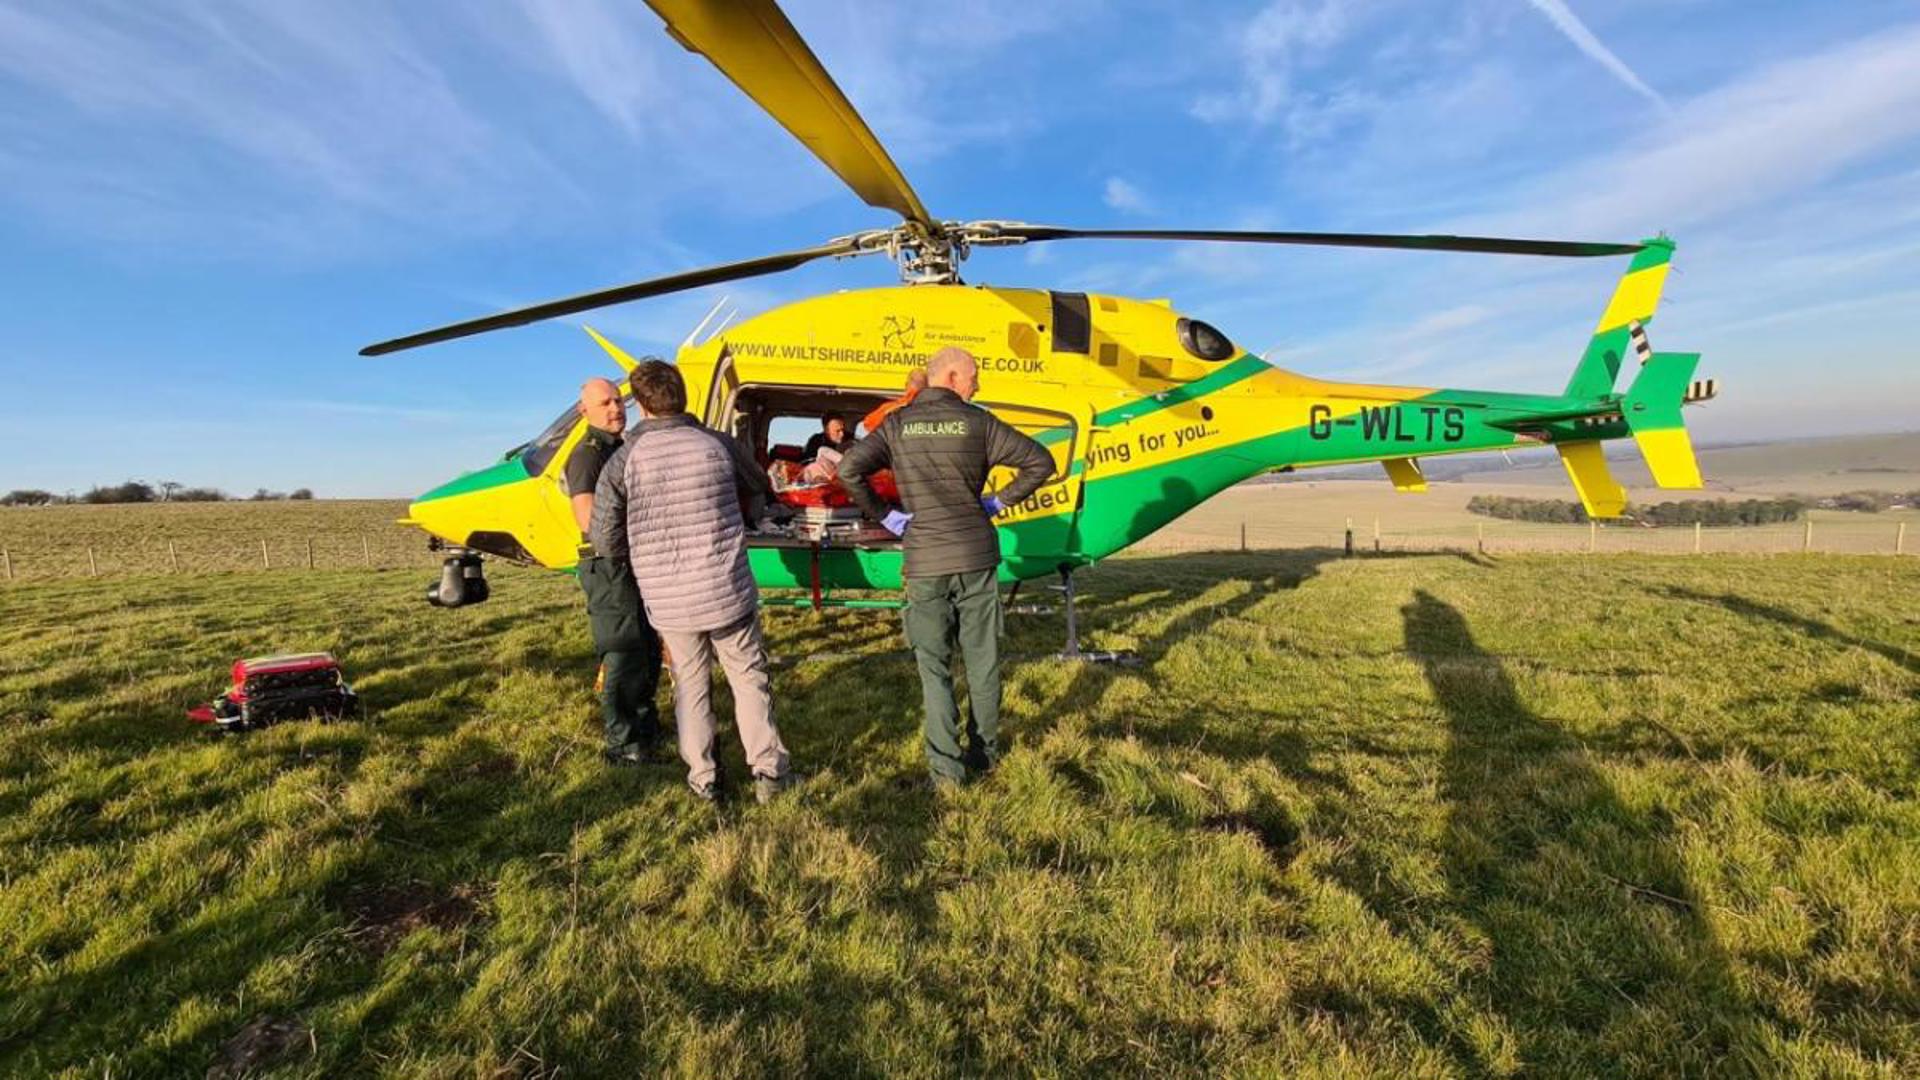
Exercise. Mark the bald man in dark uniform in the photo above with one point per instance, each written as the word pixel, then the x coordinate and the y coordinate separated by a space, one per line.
pixel 629 649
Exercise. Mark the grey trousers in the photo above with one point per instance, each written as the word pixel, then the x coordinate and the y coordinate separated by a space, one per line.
pixel 743 657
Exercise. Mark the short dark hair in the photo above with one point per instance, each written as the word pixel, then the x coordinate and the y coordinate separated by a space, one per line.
pixel 658 388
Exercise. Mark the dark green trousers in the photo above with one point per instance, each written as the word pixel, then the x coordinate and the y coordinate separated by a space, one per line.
pixel 628 710
pixel 629 652
pixel 941 610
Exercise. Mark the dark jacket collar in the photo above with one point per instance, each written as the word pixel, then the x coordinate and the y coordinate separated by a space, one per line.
pixel 937 394
pixel 661 423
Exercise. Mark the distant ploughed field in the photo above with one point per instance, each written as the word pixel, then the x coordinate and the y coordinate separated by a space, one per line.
pixel 76 541
pixel 54 541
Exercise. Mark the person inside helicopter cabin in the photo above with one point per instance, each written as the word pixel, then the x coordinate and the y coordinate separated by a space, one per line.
pixel 833 435
pixel 916 382
pixel 628 648
pixel 941 449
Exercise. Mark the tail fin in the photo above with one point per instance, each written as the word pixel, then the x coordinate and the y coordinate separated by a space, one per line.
pixel 1633 304
pixel 1652 412
pixel 1586 465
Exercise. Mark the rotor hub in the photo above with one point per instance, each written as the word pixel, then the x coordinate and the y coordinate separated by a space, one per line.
pixel 929 257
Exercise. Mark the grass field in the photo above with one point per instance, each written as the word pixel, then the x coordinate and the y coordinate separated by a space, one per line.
pixel 1425 815
pixel 1315 513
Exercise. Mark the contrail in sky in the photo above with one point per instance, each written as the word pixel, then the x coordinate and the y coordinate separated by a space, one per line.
pixel 1582 38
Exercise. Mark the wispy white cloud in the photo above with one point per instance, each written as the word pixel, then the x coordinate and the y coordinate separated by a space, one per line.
pixel 1272 47
pixel 1583 39
pixel 323 131
pixel 1124 197
pixel 1783 128
pixel 300 117
pixel 603 52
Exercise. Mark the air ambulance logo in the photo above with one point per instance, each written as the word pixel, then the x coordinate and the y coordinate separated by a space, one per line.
pixel 897 332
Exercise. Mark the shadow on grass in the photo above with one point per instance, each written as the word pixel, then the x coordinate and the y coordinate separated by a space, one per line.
pixel 1599 953
pixel 1813 628
pixel 1175 581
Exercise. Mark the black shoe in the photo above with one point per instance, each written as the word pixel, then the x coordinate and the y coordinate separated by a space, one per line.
pixel 627 757
pixel 768 788
pixel 709 792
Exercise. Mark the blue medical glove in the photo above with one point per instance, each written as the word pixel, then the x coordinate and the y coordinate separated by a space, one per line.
pixel 896 522
pixel 992 505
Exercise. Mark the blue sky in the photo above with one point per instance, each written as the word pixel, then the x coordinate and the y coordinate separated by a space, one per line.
pixel 206 208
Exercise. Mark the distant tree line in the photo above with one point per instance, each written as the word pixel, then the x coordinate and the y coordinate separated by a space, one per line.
pixel 135 491
pixel 1680 512
pixel 1871 501
pixel 1514 508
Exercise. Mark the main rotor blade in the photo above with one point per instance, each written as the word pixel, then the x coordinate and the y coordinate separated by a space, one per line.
pixel 754 45
pixel 620 294
pixel 1485 244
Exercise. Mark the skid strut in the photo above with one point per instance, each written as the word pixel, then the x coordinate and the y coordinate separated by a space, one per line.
pixel 1073 652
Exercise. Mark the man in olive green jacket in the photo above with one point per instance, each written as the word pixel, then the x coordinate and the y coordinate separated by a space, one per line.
pixel 941 449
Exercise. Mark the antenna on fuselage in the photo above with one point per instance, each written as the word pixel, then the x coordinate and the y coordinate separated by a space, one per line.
pixel 711 312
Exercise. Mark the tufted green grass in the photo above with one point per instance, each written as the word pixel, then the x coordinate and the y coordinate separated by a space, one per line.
pixel 1422 815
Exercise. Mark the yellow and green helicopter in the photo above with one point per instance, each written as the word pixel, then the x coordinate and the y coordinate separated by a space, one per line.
pixel 1147 412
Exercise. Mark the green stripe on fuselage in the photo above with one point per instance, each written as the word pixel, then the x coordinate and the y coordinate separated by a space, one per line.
pixel 497 475
pixel 1120 509
pixel 1244 368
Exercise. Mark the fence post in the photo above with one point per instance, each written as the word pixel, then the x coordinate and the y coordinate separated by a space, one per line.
pixel 1899 543
pixel 366 553
pixel 93 568
pixel 173 560
pixel 1349 538
pixel 264 563
pixel 1243 534
pixel 1376 534
pixel 1593 536
pixel 1806 539
pixel 1480 536
pixel 7 557
pixel 1696 538
pixel 309 552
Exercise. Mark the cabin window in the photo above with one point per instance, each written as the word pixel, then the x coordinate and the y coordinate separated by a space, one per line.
pixel 1072 323
pixel 536 454
pixel 1056 431
pixel 1109 354
pixel 1202 340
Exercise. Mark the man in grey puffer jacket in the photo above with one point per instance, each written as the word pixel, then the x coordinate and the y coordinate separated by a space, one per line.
pixel 680 485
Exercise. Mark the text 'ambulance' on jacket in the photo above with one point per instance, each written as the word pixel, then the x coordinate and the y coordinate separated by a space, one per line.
pixel 940 449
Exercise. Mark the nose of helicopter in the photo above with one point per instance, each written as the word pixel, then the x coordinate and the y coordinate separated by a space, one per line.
pixel 502 511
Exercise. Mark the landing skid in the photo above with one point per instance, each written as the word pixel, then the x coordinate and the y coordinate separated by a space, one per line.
pixel 1073 653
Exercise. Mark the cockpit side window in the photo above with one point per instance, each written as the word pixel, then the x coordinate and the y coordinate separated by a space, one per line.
pixel 536 454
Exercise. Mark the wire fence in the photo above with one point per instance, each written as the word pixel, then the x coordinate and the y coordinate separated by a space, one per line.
pixel 284 553
pixel 213 554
